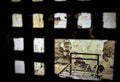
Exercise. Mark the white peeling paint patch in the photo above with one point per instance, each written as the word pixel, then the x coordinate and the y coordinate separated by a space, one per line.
pixel 19 67
pixel 109 20
pixel 39 45
pixel 18 44
pixel 17 20
pixel 60 20
pixel 38 21
pixel 84 20
pixel 39 68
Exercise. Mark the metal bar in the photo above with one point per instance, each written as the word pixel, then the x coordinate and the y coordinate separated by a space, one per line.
pixel 84 54
pixel 85 59
pixel 97 64
pixel 63 69
pixel 70 64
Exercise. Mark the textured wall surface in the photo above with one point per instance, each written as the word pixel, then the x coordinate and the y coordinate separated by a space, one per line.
pixel 104 48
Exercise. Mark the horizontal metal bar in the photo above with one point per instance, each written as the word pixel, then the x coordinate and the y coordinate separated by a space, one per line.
pixel 84 54
pixel 85 59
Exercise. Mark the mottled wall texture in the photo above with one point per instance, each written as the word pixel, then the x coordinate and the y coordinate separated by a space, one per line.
pixel 104 48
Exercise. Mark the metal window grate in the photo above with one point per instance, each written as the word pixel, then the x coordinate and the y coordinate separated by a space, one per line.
pixel 48 8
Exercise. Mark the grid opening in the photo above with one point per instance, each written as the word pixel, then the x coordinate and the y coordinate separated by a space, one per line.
pixel 15 0
pixel 84 20
pixel 18 44
pixel 39 46
pixel 37 0
pixel 38 21
pixel 17 20
pixel 19 67
pixel 109 20
pixel 60 20
pixel 39 68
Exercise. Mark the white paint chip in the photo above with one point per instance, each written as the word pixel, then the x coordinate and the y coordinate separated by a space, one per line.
pixel 19 67
pixel 84 20
pixel 17 20
pixel 39 45
pixel 39 68
pixel 18 44
pixel 38 21
pixel 109 20
pixel 60 20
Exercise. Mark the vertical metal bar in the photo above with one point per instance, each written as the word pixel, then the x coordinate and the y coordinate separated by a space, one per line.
pixel 97 63
pixel 70 64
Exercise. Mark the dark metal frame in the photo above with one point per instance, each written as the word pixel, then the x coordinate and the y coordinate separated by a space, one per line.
pixel 48 8
pixel 83 59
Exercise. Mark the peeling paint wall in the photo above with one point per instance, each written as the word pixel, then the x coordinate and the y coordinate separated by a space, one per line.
pixel 105 49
